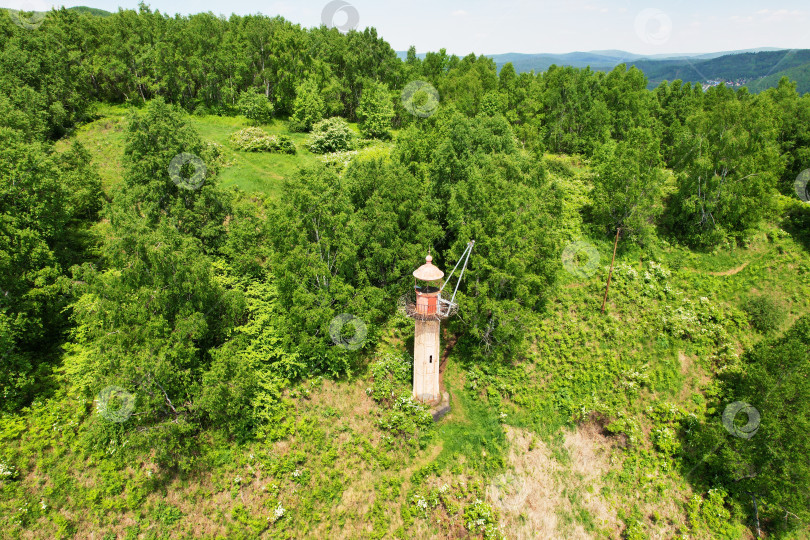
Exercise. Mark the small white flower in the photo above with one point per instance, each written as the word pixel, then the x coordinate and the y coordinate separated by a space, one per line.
pixel 296 473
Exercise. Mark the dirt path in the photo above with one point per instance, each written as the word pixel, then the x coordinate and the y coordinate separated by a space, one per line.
pixel 730 272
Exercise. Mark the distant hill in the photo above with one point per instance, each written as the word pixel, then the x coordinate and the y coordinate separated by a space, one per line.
pixel 607 59
pixel 90 10
pixel 758 69
pixel 78 9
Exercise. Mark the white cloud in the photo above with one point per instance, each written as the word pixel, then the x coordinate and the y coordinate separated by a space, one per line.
pixel 459 13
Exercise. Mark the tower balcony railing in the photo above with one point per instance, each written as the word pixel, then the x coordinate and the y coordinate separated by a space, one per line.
pixel 443 309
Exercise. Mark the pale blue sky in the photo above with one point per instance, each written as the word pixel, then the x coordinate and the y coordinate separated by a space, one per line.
pixel 490 27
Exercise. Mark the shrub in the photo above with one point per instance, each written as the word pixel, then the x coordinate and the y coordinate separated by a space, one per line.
pixel 331 135
pixel 338 160
pixel 764 313
pixel 255 140
pixel 479 518
pixel 255 107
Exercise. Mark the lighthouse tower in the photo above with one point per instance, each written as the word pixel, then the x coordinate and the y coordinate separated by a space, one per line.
pixel 426 335
pixel 428 311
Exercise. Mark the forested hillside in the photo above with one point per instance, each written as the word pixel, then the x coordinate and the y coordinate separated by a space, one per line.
pixel 757 71
pixel 194 207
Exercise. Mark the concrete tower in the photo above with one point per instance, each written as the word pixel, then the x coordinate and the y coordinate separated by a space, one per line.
pixel 426 352
pixel 428 311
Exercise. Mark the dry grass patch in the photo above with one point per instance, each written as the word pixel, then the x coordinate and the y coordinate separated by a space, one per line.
pixel 534 503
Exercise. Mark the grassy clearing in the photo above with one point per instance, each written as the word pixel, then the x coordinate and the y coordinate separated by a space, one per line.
pixel 251 172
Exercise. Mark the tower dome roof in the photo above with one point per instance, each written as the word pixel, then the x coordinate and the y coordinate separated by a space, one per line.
pixel 428 272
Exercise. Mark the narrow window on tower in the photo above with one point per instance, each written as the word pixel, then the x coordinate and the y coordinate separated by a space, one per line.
pixel 431 358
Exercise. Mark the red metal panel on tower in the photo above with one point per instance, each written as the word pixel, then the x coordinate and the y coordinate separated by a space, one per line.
pixel 426 303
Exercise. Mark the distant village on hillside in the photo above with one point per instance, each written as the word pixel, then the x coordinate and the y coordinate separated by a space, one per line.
pixel 717 82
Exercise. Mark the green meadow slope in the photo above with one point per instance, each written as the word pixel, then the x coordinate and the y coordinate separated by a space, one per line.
pixel 525 450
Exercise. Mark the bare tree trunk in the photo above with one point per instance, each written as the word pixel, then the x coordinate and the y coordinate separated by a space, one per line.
pixel 610 274
pixel 756 512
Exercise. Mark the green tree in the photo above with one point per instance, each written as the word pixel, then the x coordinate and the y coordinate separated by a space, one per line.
pixel 375 111
pixel 155 138
pixel 792 115
pixel 315 257
pixel 47 200
pixel 763 452
pixel 627 184
pixel 394 222
pixel 512 269
pixel 728 163
pixel 308 109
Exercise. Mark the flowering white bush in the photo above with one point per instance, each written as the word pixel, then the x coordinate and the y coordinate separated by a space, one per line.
pixel 338 160
pixel 420 503
pixel 7 471
pixel 278 513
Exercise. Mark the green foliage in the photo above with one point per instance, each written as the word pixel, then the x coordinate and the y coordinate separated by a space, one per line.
pixel 46 200
pixel 155 137
pixel 255 107
pixel 308 109
pixel 765 314
pixel 391 388
pixel 627 184
pixel 390 377
pixel 215 310
pixel 710 515
pixel 727 164
pixel 767 463
pixel 375 111
pixel 480 518
pixel 793 125
pixel 256 140
pixel 331 135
